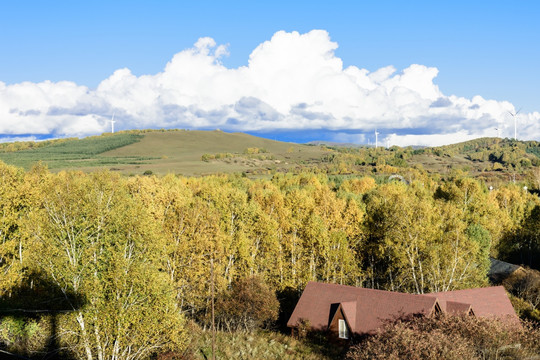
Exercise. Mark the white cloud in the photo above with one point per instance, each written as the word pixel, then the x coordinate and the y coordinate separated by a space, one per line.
pixel 17 138
pixel 292 81
pixel 428 140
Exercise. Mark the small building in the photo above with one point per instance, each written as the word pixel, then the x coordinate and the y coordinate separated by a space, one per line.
pixel 346 311
pixel 501 270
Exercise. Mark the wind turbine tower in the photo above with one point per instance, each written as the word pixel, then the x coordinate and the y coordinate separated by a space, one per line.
pixel 112 124
pixel 514 115
pixel 376 138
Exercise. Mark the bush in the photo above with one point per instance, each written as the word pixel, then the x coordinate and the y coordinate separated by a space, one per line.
pixel 525 288
pixel 207 157
pixel 524 309
pixel 449 337
pixel 250 304
pixel 25 335
pixel 254 150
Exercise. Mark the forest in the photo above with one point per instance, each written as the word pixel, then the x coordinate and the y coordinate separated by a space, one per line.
pixel 95 265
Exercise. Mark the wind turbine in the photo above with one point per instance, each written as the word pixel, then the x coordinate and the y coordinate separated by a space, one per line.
pixel 376 138
pixel 498 131
pixel 515 122
pixel 112 124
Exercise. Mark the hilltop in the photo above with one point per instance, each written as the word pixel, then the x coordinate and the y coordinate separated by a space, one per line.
pixel 195 152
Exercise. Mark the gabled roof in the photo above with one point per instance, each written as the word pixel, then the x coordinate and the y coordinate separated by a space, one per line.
pixel 485 302
pixel 456 308
pixel 500 270
pixel 349 310
pixel 366 310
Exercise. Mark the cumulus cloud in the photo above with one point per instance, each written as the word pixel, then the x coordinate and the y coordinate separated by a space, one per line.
pixel 428 139
pixel 292 82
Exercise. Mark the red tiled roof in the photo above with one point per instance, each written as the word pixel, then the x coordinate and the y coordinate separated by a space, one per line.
pixel 366 309
pixel 485 302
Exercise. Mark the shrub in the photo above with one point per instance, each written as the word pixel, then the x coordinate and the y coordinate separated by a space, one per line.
pixel 525 288
pixel 449 337
pixel 250 304
pixel 25 335
pixel 526 285
pixel 207 157
pixel 254 150
pixel 524 309
pixel 303 328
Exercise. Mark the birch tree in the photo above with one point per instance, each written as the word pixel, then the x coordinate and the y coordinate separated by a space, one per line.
pixel 93 240
pixel 11 246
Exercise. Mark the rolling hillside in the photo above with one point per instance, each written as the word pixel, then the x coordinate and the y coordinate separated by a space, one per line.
pixel 161 152
pixel 206 152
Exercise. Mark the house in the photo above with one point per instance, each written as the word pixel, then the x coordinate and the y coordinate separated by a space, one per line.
pixel 501 270
pixel 347 311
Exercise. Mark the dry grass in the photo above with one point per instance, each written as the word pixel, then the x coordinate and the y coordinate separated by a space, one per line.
pixel 263 345
pixel 180 152
pixel 162 152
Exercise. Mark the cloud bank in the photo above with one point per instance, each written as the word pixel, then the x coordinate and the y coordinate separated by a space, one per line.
pixel 292 82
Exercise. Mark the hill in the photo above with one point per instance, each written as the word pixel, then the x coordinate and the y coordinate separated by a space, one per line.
pixel 206 152
pixel 484 156
pixel 175 151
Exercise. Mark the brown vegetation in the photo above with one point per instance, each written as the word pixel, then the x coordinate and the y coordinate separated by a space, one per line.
pixel 249 305
pixel 449 337
pixel 525 288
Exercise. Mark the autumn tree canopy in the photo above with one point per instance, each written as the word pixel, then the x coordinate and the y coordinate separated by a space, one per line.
pixel 137 251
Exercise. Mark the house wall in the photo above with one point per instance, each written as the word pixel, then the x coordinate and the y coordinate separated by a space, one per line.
pixel 334 327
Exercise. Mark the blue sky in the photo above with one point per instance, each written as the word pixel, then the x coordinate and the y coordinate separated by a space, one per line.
pixel 485 48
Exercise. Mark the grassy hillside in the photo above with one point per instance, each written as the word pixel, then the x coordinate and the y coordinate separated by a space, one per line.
pixel 183 152
pixel 176 151
pixel 205 152
pixel 75 153
pixel 485 157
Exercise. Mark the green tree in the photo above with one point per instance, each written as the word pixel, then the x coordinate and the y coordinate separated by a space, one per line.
pixel 92 239
pixel 16 198
pixel 416 243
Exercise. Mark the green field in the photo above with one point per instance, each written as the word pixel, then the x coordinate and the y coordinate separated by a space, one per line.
pixel 75 153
